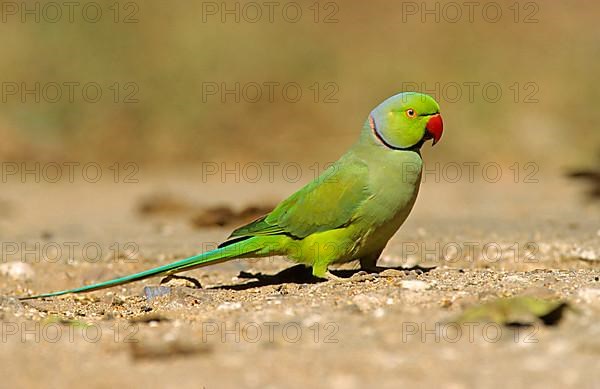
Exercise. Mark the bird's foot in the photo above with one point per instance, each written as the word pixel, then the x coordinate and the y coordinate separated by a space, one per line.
pixel 332 277
pixel 370 270
pixel 356 277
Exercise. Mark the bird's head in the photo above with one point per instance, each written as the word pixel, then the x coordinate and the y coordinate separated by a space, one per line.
pixel 406 121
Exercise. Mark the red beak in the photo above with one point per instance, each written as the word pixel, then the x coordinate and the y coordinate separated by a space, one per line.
pixel 435 128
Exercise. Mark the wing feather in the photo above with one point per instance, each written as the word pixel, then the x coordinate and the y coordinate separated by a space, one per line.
pixel 327 203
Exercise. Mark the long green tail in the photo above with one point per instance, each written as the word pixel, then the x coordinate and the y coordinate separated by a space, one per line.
pixel 222 254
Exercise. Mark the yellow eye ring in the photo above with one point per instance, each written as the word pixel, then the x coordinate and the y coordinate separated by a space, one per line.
pixel 411 113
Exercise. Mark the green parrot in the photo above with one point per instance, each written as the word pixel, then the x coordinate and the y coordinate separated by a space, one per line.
pixel 348 213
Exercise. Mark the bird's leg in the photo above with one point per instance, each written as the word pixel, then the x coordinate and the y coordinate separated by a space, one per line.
pixel 368 263
pixel 320 270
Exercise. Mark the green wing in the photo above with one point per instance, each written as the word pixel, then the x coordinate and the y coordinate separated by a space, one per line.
pixel 327 203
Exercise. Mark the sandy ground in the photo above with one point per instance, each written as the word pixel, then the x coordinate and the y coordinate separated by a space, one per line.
pixel 465 244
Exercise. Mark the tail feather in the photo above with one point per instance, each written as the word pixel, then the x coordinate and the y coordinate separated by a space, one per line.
pixel 212 257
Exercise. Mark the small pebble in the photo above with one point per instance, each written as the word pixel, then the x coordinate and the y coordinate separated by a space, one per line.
pixel 18 271
pixel 229 306
pixel 586 254
pixel 366 303
pixel 414 285
pixel 515 278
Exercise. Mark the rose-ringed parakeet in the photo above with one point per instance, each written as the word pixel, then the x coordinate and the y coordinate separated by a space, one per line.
pixel 348 213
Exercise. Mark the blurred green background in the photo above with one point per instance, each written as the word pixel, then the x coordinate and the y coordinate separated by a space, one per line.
pixel 354 53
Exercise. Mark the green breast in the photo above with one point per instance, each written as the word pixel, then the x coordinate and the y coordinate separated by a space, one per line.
pixel 394 180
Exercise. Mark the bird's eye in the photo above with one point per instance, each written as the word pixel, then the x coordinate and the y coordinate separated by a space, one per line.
pixel 411 113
